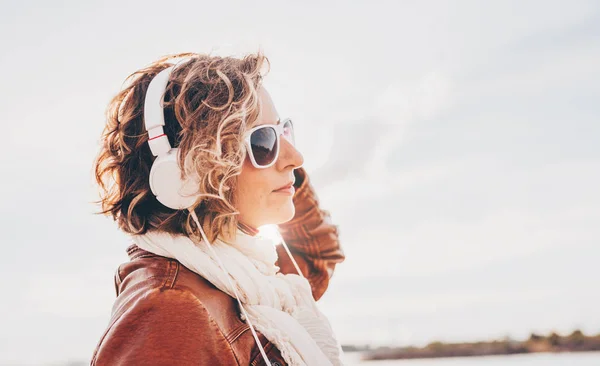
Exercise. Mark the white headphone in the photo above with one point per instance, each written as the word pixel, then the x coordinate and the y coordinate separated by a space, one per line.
pixel 165 174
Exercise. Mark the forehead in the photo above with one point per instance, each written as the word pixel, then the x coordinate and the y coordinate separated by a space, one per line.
pixel 268 113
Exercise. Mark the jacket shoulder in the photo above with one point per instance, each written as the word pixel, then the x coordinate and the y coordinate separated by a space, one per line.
pixel 159 318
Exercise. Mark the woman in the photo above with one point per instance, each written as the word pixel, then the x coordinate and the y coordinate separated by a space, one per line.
pixel 194 159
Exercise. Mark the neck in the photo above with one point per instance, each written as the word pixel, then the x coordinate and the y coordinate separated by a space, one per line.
pixel 250 230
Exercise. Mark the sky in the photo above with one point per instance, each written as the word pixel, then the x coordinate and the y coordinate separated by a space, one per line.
pixel 453 143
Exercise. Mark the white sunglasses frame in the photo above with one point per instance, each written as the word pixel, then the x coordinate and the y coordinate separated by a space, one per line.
pixel 279 131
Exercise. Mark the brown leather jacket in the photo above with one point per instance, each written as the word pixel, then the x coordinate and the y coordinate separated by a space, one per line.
pixel 165 314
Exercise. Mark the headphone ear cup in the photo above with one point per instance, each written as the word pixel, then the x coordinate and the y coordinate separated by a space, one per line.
pixel 166 183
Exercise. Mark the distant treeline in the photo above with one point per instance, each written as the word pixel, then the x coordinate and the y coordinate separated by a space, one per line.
pixel 574 342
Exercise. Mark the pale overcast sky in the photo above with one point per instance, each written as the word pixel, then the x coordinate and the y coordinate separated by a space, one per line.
pixel 455 143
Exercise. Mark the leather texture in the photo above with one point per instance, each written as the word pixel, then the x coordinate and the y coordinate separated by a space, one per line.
pixel 165 314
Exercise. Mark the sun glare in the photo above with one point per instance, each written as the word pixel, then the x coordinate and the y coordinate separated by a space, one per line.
pixel 270 232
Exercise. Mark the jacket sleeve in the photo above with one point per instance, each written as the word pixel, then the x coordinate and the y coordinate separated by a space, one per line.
pixel 311 237
pixel 164 327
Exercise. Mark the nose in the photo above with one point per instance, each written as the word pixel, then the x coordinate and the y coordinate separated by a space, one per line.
pixel 289 156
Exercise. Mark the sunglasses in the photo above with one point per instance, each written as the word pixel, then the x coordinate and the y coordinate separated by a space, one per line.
pixel 263 142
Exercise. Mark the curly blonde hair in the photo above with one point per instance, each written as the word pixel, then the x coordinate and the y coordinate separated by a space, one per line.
pixel 210 101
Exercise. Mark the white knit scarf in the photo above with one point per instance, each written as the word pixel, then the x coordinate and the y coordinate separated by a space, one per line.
pixel 280 306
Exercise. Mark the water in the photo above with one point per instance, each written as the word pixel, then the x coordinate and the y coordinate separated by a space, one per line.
pixel 536 359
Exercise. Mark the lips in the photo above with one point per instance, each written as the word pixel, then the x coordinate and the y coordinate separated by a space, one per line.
pixel 285 187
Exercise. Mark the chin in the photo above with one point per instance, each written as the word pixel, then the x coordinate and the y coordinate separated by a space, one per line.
pixel 285 214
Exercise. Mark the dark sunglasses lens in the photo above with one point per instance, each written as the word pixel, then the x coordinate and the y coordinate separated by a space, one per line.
pixel 264 145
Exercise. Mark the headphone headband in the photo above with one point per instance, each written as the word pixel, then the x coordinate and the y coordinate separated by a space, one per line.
pixel 154 116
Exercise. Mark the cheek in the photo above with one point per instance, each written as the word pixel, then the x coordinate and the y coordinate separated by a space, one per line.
pixel 252 189
pixel 256 203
